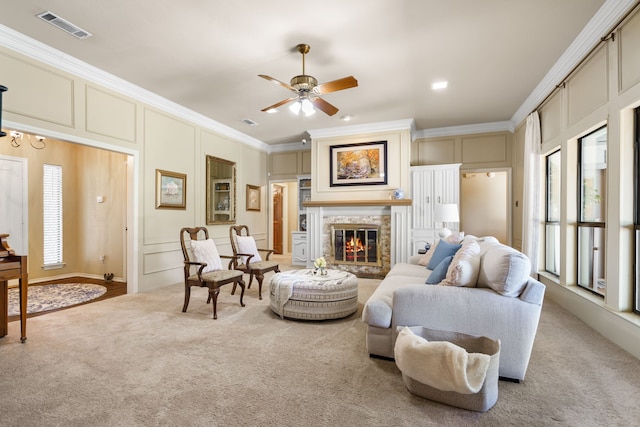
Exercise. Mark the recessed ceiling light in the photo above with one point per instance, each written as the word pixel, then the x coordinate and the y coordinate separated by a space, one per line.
pixel 271 110
pixel 439 85
pixel 346 117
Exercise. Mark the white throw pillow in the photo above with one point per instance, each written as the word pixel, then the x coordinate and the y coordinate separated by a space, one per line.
pixel 455 238
pixel 465 266
pixel 505 270
pixel 247 245
pixel 205 251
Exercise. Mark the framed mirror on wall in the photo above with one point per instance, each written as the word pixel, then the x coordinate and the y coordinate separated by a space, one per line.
pixel 221 191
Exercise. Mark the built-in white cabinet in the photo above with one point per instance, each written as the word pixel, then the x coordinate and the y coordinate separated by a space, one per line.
pixel 430 186
pixel 304 195
pixel 299 253
pixel 299 238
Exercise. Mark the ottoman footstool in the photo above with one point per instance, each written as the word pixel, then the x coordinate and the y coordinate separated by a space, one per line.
pixel 302 294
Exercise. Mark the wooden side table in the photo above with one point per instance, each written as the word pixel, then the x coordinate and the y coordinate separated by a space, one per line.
pixel 13 267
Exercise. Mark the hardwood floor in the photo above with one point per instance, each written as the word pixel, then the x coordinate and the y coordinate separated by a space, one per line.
pixel 114 289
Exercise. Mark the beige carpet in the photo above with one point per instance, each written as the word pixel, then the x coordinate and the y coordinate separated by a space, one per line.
pixel 137 360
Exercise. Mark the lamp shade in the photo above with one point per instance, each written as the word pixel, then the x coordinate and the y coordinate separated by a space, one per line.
pixel 447 212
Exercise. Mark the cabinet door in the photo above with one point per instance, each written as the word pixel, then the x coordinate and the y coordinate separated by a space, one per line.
pixel 299 255
pixel 422 196
pixel 446 187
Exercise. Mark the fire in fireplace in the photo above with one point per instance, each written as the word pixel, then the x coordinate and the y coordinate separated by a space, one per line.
pixel 356 244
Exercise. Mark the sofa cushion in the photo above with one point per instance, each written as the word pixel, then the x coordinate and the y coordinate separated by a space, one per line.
pixel 440 272
pixel 505 270
pixel 443 250
pixel 377 311
pixel 465 266
pixel 408 269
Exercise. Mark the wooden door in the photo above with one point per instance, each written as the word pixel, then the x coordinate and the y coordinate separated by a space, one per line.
pixel 277 219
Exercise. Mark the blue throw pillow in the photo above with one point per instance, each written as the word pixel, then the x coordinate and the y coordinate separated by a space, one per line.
pixel 440 272
pixel 443 250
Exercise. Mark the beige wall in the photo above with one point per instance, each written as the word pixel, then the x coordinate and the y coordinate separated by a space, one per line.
pixel 90 229
pixel 484 202
pixel 398 162
pixel 492 151
pixel 603 90
pixel 48 101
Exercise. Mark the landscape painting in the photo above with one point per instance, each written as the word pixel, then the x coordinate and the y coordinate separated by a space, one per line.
pixel 359 164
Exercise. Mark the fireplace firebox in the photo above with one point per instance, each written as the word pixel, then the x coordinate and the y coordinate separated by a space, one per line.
pixel 356 244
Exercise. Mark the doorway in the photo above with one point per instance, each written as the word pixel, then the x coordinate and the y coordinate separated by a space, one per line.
pixel 281 224
pixel 14 208
pixel 277 219
pixel 485 203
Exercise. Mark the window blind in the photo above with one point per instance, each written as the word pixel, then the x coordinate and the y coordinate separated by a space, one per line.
pixel 52 214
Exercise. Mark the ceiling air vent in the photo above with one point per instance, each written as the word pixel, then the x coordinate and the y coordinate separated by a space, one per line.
pixel 64 25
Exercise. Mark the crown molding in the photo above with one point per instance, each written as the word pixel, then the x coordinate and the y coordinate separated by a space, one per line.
pixel 465 129
pixel 611 12
pixel 34 49
pixel 404 124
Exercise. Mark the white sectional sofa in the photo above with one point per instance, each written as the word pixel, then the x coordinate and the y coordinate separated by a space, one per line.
pixel 487 291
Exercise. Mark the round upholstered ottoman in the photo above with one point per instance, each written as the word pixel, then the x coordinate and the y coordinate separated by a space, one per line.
pixel 305 294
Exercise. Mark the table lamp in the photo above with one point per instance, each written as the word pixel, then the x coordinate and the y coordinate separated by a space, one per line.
pixel 445 213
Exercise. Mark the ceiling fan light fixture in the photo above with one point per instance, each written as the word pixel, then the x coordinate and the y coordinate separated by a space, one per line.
pixel 307 107
pixel 304 105
pixel 295 107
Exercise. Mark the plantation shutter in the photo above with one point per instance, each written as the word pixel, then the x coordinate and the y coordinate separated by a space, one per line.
pixel 52 214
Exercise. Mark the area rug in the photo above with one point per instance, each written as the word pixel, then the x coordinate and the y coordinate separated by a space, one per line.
pixel 54 296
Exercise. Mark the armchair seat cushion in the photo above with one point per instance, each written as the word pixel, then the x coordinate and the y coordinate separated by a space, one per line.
pixel 217 275
pixel 261 265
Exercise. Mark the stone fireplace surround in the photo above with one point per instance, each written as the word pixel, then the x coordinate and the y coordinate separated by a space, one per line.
pixel 391 215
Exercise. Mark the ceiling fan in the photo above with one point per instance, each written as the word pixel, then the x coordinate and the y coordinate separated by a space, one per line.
pixel 307 90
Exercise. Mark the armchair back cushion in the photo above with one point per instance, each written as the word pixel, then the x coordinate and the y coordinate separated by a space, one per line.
pixel 247 245
pixel 205 251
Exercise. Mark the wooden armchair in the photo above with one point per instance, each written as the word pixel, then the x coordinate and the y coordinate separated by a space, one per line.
pixel 248 258
pixel 203 257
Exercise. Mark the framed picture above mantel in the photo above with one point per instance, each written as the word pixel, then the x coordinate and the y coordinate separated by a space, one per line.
pixel 358 164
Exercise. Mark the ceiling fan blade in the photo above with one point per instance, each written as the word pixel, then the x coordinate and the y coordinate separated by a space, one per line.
pixel 336 85
pixel 324 106
pixel 278 104
pixel 277 82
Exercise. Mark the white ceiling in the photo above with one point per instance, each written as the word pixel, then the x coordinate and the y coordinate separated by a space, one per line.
pixel 206 55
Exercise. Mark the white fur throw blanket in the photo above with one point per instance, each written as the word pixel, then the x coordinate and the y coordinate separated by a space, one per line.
pixel 440 364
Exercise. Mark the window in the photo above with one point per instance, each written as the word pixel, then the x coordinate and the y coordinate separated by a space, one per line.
pixel 636 211
pixel 52 215
pixel 552 214
pixel 592 170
